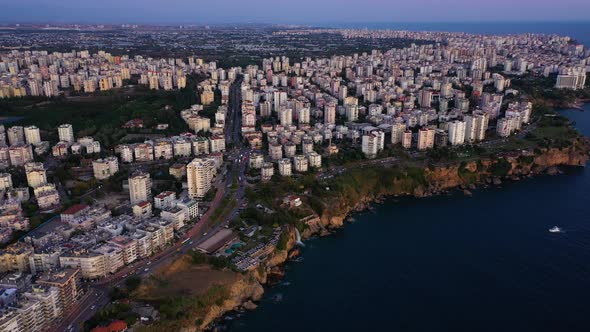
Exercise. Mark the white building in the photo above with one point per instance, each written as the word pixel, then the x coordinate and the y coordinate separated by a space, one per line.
pixel 476 126
pixel 166 199
pixel 267 171
pixel 397 132
pixel 140 187
pixel 426 138
pixel 66 133
pixel 286 116
pixel 199 173
pixel 16 135
pixel 315 159
pixel 256 160
pixel 300 163
pixel 5 181
pixel 217 143
pixel 285 167
pixel 330 113
pixel 456 132
pixel 105 168
pixel 32 135
pixel 303 115
pixel 36 175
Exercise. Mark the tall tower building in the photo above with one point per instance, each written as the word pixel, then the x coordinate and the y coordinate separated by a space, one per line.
pixel 457 132
pixel 36 175
pixel 66 133
pixel 140 187
pixel 32 135
pixel 199 174
pixel 330 113
pixel 286 116
pixel 16 135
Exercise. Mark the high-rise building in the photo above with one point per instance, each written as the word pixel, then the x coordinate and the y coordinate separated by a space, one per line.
pixel 16 135
pixel 48 297
pixel 300 163
pixel 285 167
pixel 36 175
pixel 303 115
pixel 476 126
pixel 32 135
pixel 140 187
pixel 397 132
pixel 5 181
pixel 285 116
pixel 407 139
pixel 21 154
pixel 372 143
pixel 426 138
pixel 199 174
pixel 67 282
pixel 105 168
pixel 352 112
pixel 66 133
pixel 456 132
pixel 330 113
pixel 425 98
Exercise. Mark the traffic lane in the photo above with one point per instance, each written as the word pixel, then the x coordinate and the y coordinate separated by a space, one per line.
pixel 99 300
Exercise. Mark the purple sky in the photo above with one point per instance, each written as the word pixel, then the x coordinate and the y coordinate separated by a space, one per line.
pixel 293 11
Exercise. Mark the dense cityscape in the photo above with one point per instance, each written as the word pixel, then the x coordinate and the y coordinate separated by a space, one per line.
pixel 82 214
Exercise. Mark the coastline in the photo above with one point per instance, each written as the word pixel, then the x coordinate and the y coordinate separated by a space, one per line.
pixel 440 179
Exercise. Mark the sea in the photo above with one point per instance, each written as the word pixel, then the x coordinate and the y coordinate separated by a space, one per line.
pixel 452 262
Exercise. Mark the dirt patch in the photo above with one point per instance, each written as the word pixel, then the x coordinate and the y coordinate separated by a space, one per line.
pixel 182 278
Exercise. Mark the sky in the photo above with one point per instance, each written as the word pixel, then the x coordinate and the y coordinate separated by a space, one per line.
pixel 289 11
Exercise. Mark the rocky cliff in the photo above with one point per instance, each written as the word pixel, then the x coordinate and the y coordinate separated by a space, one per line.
pixel 466 174
pixel 249 287
pixel 436 179
pixel 244 290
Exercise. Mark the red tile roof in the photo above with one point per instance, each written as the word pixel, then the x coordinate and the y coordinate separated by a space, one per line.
pixel 75 209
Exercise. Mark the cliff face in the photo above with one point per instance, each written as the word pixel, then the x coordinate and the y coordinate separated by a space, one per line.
pixel 249 287
pixel 463 174
pixel 436 179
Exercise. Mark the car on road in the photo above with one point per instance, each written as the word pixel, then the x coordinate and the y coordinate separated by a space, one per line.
pixel 146 269
pixel 205 234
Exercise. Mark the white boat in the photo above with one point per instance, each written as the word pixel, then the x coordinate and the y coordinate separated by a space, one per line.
pixel 555 229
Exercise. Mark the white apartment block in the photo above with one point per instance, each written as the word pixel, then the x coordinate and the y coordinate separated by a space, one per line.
pixel 105 168
pixel 457 132
pixel 5 181
pixel 66 133
pixel 199 173
pixel 425 138
pixel 166 199
pixel 285 167
pixel 32 135
pixel 140 186
pixel 36 175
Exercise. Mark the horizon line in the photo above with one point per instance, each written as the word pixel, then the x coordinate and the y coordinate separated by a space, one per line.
pixel 313 24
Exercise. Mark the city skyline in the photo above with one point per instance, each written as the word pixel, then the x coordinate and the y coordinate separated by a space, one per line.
pixel 305 12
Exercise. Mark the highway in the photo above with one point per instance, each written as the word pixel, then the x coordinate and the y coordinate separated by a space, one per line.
pixel 96 295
